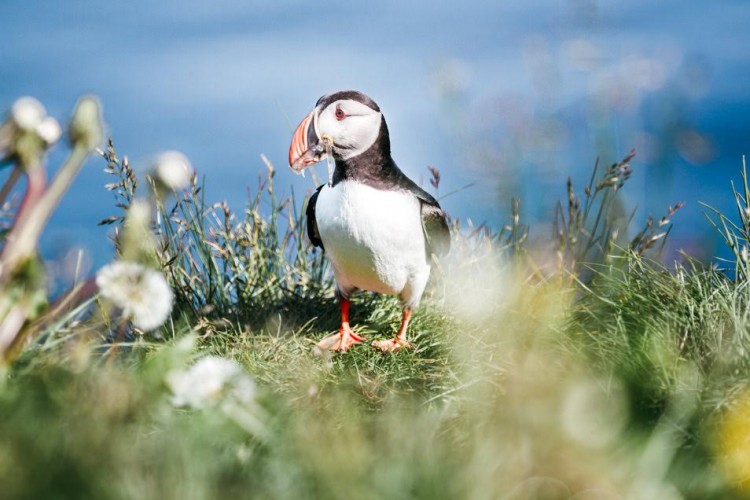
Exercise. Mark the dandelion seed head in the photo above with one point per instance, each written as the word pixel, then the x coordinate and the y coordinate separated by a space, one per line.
pixel 173 170
pixel 142 293
pixel 211 381
pixel 49 130
pixel 27 113
pixel 139 213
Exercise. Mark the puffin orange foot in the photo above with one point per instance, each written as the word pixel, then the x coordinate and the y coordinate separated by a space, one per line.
pixel 392 345
pixel 341 341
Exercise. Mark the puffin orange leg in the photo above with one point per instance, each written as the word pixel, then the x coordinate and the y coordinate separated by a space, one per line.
pixel 346 338
pixel 399 341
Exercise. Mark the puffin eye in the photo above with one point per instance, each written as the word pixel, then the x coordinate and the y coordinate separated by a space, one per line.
pixel 340 115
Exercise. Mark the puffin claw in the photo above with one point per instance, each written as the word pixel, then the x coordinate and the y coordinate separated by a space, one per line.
pixel 341 341
pixel 391 345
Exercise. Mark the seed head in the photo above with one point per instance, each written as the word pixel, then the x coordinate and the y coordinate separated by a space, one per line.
pixel 86 126
pixel 27 113
pixel 210 381
pixel 141 293
pixel 173 171
pixel 49 131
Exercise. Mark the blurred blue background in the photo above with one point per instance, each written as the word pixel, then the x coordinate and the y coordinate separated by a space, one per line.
pixel 507 97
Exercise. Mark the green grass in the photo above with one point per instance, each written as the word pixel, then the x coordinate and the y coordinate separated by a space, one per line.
pixel 584 369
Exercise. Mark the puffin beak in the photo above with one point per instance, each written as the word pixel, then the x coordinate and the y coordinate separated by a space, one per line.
pixel 306 147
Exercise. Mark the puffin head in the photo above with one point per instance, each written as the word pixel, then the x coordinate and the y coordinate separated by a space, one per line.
pixel 348 123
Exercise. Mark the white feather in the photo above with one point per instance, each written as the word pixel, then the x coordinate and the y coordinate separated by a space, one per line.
pixel 374 239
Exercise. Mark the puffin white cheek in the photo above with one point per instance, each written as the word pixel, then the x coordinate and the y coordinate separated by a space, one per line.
pixel 358 134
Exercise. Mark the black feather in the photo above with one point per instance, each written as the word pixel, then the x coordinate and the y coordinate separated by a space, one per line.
pixel 312 224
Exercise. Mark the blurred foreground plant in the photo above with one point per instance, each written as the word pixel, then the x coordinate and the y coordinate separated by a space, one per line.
pixel 25 136
pixel 134 286
pixel 132 289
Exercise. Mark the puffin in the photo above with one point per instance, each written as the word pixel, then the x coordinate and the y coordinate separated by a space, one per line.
pixel 377 227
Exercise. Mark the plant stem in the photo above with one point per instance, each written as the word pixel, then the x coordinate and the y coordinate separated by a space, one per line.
pixel 24 237
pixel 10 183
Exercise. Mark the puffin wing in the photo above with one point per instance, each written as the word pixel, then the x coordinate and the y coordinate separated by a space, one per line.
pixel 435 228
pixel 312 224
pixel 434 221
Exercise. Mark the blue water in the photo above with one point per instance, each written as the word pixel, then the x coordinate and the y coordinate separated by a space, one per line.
pixel 511 97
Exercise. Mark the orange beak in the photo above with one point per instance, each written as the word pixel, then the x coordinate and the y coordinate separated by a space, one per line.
pixel 306 147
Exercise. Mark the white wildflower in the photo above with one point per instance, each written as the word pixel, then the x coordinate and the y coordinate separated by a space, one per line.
pixel 142 293
pixel 49 130
pixel 27 113
pixel 211 381
pixel 173 170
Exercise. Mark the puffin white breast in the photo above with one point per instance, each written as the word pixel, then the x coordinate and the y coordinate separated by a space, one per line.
pixel 374 238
